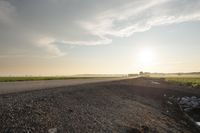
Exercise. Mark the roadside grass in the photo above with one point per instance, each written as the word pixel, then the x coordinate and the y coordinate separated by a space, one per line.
pixel 190 81
pixel 183 79
pixel 12 79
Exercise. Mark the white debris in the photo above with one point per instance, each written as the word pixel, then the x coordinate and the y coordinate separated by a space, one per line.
pixel 154 82
pixel 187 109
pixel 169 102
pixel 52 130
pixel 198 123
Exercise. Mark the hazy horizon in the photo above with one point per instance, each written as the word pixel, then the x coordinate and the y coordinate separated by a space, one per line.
pixel 69 37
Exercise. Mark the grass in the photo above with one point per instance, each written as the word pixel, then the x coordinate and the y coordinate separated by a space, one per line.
pixel 12 79
pixel 182 79
pixel 191 81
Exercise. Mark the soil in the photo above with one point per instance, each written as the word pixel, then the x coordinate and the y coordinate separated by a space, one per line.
pixel 138 105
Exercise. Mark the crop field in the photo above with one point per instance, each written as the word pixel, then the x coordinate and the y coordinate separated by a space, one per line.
pixel 191 81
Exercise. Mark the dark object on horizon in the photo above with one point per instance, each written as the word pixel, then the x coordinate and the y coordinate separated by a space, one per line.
pixel 144 73
pixel 132 75
pixel 141 73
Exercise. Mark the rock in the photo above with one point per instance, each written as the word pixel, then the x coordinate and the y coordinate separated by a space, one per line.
pixel 184 100
pixel 194 97
pixel 185 106
pixel 52 130
pixel 169 102
pixel 133 130
pixel 189 103
pixel 70 110
pixel 178 99
pixel 194 104
pixel 145 129
pixel 187 109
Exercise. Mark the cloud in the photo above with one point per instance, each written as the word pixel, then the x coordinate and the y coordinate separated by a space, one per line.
pixel 139 16
pixel 102 40
pixel 134 17
pixel 6 11
pixel 89 23
pixel 48 44
pixel 51 44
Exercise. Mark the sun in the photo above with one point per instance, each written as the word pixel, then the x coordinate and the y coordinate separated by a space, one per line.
pixel 146 57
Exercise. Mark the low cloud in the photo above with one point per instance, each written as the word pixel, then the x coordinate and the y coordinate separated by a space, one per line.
pixel 102 40
pixel 47 43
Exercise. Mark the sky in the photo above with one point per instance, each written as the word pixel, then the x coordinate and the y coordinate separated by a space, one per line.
pixel 66 37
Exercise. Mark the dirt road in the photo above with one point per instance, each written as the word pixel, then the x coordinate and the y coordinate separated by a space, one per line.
pixel 20 86
pixel 126 106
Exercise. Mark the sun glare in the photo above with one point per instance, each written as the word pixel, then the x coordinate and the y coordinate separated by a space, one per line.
pixel 146 57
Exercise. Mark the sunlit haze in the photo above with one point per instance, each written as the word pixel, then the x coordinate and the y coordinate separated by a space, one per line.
pixel 146 57
pixel 66 37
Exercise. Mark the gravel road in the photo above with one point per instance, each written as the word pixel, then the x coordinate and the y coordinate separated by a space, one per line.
pixel 19 86
pixel 123 106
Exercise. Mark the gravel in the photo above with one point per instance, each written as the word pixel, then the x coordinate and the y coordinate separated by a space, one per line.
pixel 124 106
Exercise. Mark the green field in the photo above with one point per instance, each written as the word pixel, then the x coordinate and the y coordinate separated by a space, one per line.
pixel 191 81
pixel 11 79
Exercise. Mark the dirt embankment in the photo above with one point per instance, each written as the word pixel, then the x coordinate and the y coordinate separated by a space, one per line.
pixel 126 106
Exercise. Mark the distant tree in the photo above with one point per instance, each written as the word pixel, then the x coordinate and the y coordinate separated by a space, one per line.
pixel 141 73
pixel 132 75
